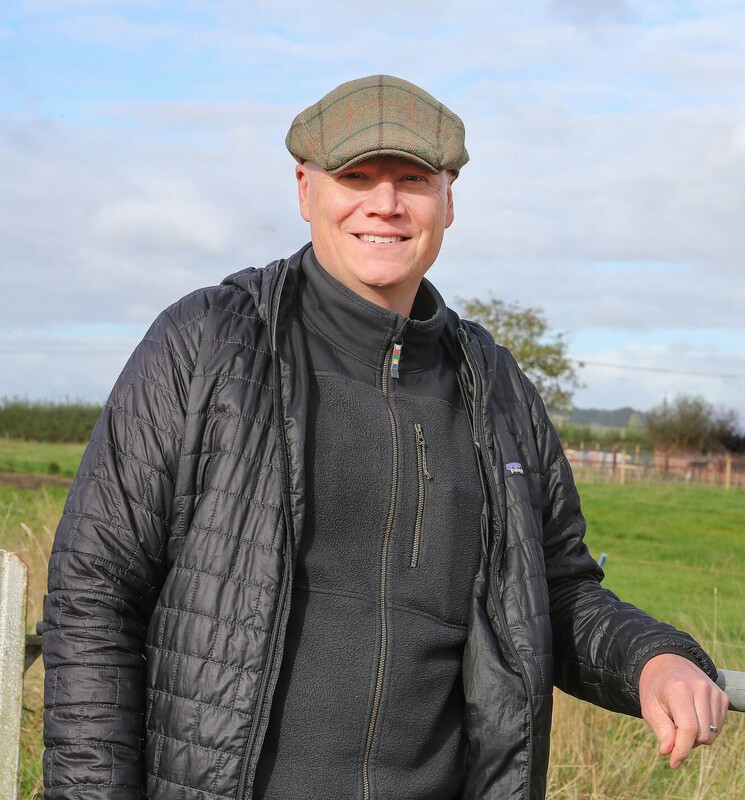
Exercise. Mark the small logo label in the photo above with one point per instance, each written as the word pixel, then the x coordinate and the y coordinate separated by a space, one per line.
pixel 396 359
pixel 514 468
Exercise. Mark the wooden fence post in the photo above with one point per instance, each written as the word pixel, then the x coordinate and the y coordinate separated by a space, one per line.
pixel 728 472
pixel 13 588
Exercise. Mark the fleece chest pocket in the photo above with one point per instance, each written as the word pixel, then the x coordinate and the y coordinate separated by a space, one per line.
pixel 423 478
pixel 439 538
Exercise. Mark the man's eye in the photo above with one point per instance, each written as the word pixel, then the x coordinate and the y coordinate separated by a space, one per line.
pixel 414 178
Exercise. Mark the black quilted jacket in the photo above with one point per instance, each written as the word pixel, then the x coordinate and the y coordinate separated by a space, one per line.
pixel 171 573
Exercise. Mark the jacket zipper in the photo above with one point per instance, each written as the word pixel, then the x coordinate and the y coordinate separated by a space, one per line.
pixel 422 473
pixel 387 366
pixel 477 417
pixel 287 564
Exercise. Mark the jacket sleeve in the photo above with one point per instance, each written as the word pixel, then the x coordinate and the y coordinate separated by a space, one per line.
pixel 105 571
pixel 600 643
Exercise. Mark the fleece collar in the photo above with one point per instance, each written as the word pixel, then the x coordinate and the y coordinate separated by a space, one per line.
pixel 364 330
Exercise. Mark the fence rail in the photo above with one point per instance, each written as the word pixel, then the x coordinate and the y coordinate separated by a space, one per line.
pixel 19 650
pixel 733 683
pixel 622 466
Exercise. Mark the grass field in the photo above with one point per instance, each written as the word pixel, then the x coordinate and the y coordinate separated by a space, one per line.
pixel 678 551
pixel 43 458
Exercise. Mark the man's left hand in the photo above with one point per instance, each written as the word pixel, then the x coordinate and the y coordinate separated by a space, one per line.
pixel 681 704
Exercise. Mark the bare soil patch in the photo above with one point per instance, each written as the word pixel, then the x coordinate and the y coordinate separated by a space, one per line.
pixel 32 480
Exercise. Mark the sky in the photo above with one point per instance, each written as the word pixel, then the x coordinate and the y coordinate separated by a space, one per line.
pixel 142 156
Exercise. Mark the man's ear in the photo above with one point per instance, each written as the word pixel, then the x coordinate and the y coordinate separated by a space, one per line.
pixel 301 173
pixel 450 211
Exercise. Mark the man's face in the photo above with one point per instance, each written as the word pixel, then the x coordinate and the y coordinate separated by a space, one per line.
pixel 377 227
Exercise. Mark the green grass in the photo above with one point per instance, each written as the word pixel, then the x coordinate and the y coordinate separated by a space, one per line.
pixel 44 458
pixel 24 509
pixel 677 551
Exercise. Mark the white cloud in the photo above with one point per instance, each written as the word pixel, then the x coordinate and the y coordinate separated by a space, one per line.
pixel 642 376
pixel 592 142
pixel 593 11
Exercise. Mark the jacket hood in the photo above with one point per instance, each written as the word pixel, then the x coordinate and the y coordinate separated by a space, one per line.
pixel 261 282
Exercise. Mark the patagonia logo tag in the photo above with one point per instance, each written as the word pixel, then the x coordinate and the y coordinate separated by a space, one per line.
pixel 514 468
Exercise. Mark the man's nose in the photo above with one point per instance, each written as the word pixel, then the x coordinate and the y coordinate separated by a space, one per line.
pixel 383 199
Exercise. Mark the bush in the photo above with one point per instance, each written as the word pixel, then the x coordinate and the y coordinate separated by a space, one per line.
pixel 573 435
pixel 43 421
pixel 690 423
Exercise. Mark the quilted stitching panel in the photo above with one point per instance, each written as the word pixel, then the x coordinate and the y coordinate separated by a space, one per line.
pixel 204 469
pixel 209 631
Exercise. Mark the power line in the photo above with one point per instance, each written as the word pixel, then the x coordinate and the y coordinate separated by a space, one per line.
pixel 583 363
pixel 664 370
pixel 6 352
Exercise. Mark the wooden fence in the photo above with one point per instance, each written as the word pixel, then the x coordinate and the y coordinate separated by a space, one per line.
pixel 17 652
pixel 625 466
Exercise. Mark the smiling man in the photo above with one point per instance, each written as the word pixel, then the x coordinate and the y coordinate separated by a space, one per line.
pixel 324 542
pixel 377 224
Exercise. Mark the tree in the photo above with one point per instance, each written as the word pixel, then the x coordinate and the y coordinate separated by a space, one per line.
pixel 541 353
pixel 690 423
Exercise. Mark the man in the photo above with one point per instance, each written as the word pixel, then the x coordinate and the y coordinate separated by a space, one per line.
pixel 324 542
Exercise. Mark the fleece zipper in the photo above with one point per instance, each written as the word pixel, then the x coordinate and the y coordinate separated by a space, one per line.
pixel 390 370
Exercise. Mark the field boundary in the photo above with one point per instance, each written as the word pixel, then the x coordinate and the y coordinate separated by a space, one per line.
pixel 618 464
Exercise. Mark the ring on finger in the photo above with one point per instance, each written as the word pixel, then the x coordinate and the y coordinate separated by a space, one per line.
pixel 714 728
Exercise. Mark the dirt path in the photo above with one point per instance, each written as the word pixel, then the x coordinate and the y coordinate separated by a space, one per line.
pixel 30 480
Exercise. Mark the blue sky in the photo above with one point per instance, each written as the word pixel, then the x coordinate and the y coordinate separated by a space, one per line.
pixel 141 148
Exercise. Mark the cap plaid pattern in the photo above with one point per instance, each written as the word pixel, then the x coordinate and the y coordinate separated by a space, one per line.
pixel 378 115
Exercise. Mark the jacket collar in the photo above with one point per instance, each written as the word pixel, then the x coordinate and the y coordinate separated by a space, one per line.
pixel 365 330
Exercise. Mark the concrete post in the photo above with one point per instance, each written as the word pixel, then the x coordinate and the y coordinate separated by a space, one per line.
pixel 13 588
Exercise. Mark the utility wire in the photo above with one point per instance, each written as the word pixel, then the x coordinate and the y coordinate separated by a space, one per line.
pixel 637 368
pixel 6 352
pixel 580 364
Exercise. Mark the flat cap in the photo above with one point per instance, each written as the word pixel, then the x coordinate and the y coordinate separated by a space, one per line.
pixel 374 116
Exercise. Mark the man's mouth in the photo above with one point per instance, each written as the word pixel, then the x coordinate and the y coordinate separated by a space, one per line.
pixel 369 237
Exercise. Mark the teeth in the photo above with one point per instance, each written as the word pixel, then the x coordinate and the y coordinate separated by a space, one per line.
pixel 368 237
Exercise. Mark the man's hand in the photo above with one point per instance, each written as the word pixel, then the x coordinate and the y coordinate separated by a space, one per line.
pixel 680 703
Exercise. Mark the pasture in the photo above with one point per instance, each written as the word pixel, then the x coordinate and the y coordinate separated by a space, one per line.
pixel 676 550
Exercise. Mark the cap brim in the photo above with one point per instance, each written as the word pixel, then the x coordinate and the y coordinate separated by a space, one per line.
pixel 383 152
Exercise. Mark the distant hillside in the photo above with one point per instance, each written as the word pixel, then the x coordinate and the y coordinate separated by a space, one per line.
pixel 617 418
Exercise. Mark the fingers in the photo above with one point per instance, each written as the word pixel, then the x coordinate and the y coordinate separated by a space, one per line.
pixel 675 740
pixel 687 736
pixel 717 713
pixel 684 708
pixel 698 717
pixel 663 729
pixel 690 729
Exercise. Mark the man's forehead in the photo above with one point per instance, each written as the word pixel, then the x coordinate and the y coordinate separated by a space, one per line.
pixel 378 116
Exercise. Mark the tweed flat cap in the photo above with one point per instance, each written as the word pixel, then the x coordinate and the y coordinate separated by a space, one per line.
pixel 378 115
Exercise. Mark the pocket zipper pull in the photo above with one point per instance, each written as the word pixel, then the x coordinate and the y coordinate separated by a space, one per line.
pixel 422 445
